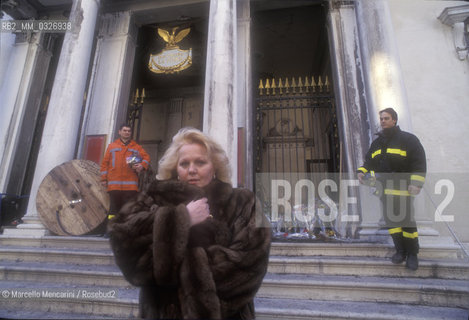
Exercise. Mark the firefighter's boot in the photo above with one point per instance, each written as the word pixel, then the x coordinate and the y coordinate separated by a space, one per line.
pixel 400 254
pixel 412 262
pixel 411 245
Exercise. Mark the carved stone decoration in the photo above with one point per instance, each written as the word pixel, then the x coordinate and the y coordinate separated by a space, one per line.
pixel 458 19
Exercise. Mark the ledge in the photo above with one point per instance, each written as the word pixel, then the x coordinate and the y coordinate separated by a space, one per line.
pixel 452 15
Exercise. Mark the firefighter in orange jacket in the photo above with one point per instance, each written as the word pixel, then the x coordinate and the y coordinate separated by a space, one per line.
pixel 123 161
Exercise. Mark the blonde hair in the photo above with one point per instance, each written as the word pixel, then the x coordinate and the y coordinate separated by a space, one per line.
pixel 167 166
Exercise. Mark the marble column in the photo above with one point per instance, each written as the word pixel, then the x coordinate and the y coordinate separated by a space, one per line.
pixel 61 128
pixel 385 88
pixel 26 53
pixel 21 97
pixel 245 118
pixel 384 81
pixel 220 98
pixel 111 75
pixel 351 102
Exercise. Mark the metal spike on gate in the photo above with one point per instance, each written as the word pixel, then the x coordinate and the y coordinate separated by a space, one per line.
pixel 273 86
pixel 307 84
pixel 300 84
pixel 313 84
pixel 136 97
pixel 261 87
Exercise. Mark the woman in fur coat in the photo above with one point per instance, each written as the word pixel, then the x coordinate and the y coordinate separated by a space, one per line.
pixel 196 247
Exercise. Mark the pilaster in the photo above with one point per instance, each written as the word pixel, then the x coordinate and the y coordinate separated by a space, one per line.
pixel 385 87
pixel 244 85
pixel 383 75
pixel 109 87
pixel 13 95
pixel 351 102
pixel 220 102
pixel 64 112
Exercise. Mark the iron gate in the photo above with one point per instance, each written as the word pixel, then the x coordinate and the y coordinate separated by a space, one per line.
pixel 296 140
pixel 296 126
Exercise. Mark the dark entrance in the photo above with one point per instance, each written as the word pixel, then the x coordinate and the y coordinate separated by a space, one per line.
pixel 172 100
pixel 296 126
pixel 294 113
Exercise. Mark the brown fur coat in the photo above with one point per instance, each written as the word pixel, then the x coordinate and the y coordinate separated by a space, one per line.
pixel 211 270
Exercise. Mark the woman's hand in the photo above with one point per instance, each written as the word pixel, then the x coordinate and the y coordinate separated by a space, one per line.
pixel 198 210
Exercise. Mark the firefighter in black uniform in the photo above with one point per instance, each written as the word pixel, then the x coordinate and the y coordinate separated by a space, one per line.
pixel 396 165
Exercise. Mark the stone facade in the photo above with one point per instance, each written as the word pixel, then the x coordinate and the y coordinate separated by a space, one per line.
pixel 406 54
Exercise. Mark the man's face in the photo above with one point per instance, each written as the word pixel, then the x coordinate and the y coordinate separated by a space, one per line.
pixel 125 133
pixel 386 121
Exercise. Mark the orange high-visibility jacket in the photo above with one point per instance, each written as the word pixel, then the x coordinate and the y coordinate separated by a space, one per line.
pixel 116 171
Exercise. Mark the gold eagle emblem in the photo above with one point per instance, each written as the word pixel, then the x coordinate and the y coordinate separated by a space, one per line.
pixel 172 59
pixel 172 38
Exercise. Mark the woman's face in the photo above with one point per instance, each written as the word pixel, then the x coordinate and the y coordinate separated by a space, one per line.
pixel 194 165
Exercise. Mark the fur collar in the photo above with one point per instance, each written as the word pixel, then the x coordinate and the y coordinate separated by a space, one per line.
pixel 175 192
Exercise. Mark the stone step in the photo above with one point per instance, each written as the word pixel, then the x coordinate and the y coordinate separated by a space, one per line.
pixel 438 292
pixel 360 249
pixel 328 265
pixel 28 314
pixel 367 266
pixel 72 256
pixel 95 250
pixel 125 305
pixel 66 274
pixel 91 243
pixel 349 273
pixel 302 309
pixel 339 248
pixel 30 258
pixel 56 298
pixel 431 292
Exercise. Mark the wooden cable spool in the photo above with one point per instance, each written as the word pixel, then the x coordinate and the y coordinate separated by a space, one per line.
pixel 71 200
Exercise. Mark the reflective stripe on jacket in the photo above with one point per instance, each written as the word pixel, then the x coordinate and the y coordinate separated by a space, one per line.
pixel 397 155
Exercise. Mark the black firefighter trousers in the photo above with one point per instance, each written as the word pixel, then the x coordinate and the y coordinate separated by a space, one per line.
pixel 398 210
